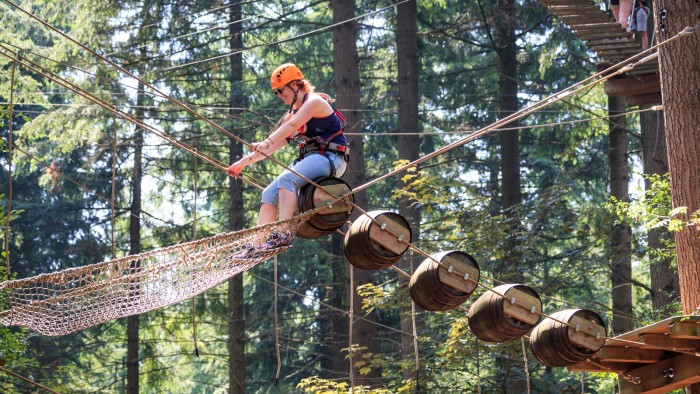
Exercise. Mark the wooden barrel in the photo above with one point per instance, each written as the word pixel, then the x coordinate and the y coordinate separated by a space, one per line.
pixel 332 217
pixel 377 240
pixel 493 318
pixel 436 287
pixel 558 344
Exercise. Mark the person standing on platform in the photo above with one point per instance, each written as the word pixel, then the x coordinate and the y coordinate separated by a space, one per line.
pixel 625 11
pixel 615 8
pixel 639 19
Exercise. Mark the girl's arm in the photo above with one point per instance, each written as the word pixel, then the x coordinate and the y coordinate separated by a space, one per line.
pixel 314 106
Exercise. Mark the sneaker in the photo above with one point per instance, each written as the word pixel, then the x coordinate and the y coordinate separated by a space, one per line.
pixel 276 240
pixel 248 251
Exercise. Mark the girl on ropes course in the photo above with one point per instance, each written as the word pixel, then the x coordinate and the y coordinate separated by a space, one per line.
pixel 323 150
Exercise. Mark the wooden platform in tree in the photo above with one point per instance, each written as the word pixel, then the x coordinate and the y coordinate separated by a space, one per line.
pixel 657 358
pixel 612 44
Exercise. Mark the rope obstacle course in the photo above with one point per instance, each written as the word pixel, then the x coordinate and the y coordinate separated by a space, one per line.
pixel 55 290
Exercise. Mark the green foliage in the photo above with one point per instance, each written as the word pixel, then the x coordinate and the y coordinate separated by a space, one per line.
pixel 13 342
pixel 653 210
pixel 317 385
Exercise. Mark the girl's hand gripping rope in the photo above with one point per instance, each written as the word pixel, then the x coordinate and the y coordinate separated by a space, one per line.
pixel 236 168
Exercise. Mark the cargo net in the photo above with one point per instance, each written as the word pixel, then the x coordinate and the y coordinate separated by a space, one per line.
pixel 74 299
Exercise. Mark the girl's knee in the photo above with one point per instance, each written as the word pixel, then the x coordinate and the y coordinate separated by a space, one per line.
pixel 290 182
pixel 270 196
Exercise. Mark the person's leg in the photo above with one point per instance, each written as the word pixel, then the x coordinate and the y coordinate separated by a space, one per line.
pixel 288 204
pixel 642 21
pixel 268 202
pixel 625 11
pixel 268 214
pixel 645 39
pixel 616 12
pixel 314 166
pixel 311 167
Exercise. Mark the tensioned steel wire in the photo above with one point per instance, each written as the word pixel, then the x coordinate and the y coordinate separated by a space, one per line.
pixel 207 30
pixel 600 77
pixel 25 62
pixel 21 51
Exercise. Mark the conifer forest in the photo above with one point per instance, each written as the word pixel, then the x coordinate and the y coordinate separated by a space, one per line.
pixel 532 149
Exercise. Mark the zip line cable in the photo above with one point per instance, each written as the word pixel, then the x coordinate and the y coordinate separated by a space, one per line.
pixel 120 113
pixel 213 110
pixel 123 70
pixel 202 13
pixel 177 52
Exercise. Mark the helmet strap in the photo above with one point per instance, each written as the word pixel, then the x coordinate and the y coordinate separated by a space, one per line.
pixel 294 100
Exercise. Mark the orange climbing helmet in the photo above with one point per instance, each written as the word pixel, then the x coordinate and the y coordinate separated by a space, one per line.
pixel 285 74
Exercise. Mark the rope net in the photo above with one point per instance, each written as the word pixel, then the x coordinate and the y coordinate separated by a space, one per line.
pixel 67 301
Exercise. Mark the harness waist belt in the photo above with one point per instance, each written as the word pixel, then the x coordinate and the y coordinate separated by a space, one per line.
pixel 339 149
pixel 314 145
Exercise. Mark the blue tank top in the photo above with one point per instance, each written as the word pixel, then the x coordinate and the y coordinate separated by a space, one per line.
pixel 325 128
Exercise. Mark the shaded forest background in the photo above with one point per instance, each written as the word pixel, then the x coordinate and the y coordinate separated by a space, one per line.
pixel 531 203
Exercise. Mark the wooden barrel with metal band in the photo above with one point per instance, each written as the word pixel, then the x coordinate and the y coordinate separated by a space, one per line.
pixel 377 240
pixel 333 215
pixel 495 318
pixel 438 287
pixel 568 337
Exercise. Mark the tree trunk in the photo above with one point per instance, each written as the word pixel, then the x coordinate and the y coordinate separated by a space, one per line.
pixel 347 85
pixel 680 84
pixel 620 234
pixel 680 89
pixel 132 325
pixel 507 105
pixel 409 149
pixel 664 278
pixel 236 315
pixel 339 366
pixel 510 169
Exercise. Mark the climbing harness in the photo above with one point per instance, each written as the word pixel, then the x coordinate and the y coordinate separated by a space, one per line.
pixel 320 145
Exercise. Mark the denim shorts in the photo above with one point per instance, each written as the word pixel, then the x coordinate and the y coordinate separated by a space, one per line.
pixel 312 166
